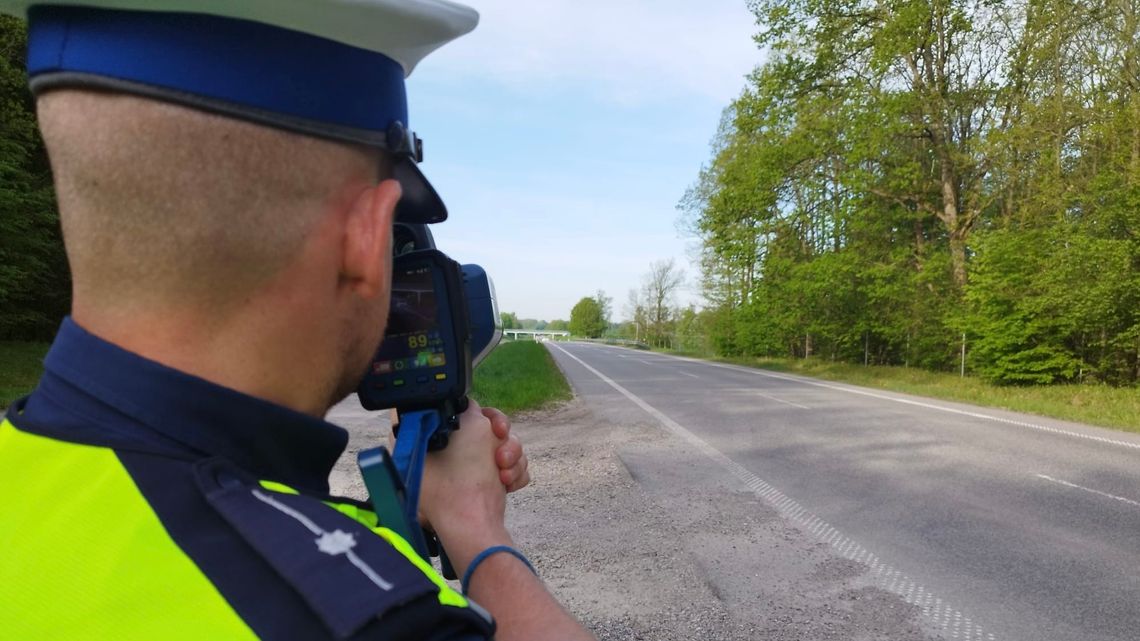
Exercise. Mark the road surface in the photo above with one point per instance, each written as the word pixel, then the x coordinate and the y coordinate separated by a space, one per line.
pixel 991 524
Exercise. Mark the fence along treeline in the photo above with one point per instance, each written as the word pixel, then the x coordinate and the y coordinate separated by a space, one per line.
pixel 900 173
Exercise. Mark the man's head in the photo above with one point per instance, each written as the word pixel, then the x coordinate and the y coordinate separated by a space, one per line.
pixel 166 207
pixel 169 212
pixel 221 176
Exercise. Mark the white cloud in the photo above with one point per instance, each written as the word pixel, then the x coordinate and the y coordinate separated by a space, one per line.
pixel 619 51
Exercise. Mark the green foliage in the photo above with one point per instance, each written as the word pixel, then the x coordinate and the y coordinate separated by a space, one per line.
pixel 654 319
pixel 21 364
pixel 691 332
pixel 510 321
pixel 898 174
pixel 34 283
pixel 558 325
pixel 518 376
pixel 1044 302
pixel 586 318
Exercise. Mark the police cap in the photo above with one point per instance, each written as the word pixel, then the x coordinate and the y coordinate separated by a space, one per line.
pixel 329 68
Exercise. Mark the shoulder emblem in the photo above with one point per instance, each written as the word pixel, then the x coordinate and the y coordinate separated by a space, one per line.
pixel 348 575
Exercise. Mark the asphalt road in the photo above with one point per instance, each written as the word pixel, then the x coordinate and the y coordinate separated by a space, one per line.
pixel 992 524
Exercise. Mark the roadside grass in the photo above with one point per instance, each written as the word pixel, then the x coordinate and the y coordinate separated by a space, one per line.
pixel 519 375
pixel 1115 407
pixel 21 364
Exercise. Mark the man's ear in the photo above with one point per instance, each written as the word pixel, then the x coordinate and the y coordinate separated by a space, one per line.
pixel 368 240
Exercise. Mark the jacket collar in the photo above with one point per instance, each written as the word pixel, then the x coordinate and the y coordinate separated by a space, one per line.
pixel 93 390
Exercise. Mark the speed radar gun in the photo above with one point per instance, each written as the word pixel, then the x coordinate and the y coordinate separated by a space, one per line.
pixel 442 321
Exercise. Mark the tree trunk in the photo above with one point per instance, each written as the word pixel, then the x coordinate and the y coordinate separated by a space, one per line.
pixel 958 257
pixel 1134 167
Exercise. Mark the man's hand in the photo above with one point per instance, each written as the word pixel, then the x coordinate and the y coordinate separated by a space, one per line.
pixel 509 456
pixel 463 494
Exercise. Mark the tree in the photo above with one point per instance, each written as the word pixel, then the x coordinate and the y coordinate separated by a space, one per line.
pixel 558 325
pixel 691 334
pixel 510 320
pixel 586 319
pixel 659 287
pixel 899 173
pixel 606 303
pixel 925 76
pixel 35 287
pixel 638 316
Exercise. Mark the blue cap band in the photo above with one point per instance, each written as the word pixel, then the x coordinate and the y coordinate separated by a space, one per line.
pixel 265 73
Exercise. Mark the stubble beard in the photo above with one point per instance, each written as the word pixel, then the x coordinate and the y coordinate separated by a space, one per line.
pixel 365 331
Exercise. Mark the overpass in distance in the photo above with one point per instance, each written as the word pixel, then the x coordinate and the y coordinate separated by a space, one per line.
pixel 535 334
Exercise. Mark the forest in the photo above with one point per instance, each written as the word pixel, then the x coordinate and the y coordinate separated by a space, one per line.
pixel 35 288
pixel 903 179
pixel 900 183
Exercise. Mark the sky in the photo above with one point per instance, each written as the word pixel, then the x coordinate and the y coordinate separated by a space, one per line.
pixel 562 133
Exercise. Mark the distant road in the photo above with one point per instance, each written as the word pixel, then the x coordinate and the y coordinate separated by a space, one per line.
pixel 997 525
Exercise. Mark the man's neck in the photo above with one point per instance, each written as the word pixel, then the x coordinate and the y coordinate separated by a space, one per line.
pixel 253 353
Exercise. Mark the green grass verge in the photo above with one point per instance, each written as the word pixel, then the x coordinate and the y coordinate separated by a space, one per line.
pixel 519 375
pixel 1116 407
pixel 21 364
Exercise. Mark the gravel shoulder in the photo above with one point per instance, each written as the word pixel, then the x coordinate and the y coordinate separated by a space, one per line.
pixel 641 540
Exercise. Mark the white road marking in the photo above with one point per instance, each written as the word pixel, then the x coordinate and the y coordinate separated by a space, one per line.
pixel 906 401
pixel 755 392
pixel 642 381
pixel 1089 490
pixel 885 576
pixel 780 400
pixel 688 374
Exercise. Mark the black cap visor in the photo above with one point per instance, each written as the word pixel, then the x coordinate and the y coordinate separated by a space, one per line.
pixel 420 204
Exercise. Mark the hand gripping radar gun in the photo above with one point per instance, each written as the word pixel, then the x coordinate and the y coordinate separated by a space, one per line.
pixel 443 321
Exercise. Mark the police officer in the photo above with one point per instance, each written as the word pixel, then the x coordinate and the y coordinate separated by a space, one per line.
pixel 228 175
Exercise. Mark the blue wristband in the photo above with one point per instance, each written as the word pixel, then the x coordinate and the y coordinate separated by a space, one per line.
pixel 482 556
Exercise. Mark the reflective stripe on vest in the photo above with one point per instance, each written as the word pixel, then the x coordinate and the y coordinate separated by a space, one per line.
pixel 81 549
